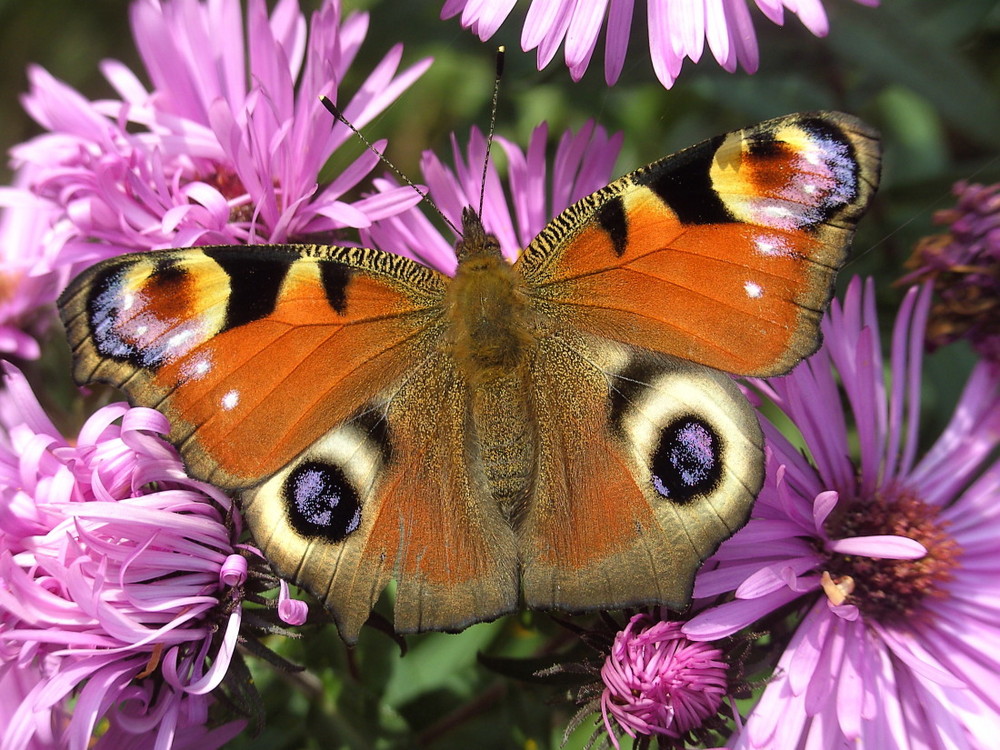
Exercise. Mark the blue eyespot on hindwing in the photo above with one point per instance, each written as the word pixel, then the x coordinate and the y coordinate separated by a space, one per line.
pixel 321 501
pixel 687 461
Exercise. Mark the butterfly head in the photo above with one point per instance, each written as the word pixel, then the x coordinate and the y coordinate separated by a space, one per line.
pixel 475 240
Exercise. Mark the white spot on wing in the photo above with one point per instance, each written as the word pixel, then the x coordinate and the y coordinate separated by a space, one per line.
pixel 753 289
pixel 777 212
pixel 230 400
pixel 178 339
pixel 197 368
pixel 765 247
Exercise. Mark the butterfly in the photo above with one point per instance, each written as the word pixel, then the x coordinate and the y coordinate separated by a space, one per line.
pixel 558 432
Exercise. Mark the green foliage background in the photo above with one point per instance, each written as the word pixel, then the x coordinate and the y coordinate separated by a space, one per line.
pixel 926 73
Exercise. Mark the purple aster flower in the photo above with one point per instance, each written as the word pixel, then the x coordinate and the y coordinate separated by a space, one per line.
pixel 582 164
pixel 887 560
pixel 226 147
pixel 658 682
pixel 120 583
pixel 653 683
pixel 678 29
pixel 964 264
pixel 29 276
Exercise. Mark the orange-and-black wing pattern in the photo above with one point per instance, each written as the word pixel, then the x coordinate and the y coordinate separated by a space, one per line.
pixel 724 253
pixel 255 352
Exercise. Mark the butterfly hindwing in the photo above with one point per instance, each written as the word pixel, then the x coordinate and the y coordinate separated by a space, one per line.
pixel 647 463
pixel 723 254
pixel 392 493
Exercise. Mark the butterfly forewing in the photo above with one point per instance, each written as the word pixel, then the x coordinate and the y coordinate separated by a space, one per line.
pixel 724 254
pixel 253 353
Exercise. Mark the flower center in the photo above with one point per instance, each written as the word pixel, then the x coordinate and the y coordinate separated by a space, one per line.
pixel 8 285
pixel 894 589
pixel 229 184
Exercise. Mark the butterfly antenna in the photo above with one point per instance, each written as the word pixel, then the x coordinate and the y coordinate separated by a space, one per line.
pixel 493 125
pixel 334 110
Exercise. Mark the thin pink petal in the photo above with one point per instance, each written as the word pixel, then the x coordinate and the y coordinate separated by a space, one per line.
pixel 617 37
pixel 581 36
pixel 880 547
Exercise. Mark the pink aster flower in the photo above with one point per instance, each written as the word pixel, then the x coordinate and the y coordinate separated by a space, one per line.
pixel 964 264
pixel 653 683
pixel 658 682
pixel 30 278
pixel 888 560
pixel 120 584
pixel 582 164
pixel 678 29
pixel 225 147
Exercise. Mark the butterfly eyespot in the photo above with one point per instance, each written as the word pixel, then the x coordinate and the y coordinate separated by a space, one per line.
pixel 103 308
pixel 321 501
pixel 126 329
pixel 687 461
pixel 149 313
pixel 168 279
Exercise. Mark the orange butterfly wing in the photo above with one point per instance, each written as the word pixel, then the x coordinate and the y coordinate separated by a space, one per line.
pixel 311 379
pixel 252 353
pixel 724 253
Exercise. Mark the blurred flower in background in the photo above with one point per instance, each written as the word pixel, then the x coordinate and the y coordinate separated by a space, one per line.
pixel 30 275
pixel 889 559
pixel 678 29
pixel 536 192
pixel 964 264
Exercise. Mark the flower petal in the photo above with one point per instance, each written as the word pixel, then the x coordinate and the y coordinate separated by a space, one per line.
pixel 885 547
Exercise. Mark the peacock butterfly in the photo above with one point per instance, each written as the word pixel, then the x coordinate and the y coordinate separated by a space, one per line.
pixel 559 429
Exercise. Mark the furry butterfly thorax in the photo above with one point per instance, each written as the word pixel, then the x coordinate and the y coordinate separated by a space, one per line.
pixel 556 433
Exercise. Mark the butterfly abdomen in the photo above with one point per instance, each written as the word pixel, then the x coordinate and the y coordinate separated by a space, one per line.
pixel 506 441
pixel 491 339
